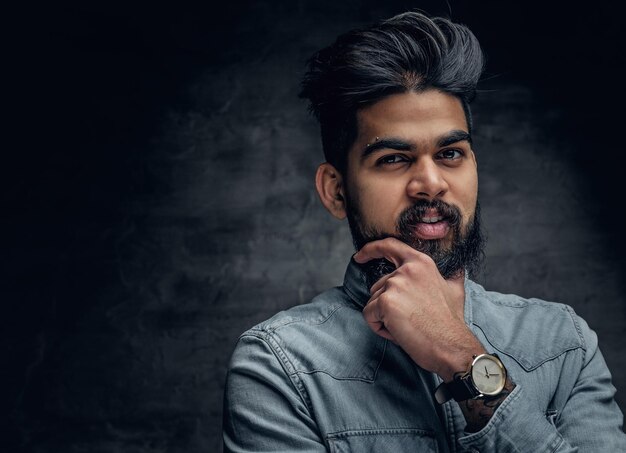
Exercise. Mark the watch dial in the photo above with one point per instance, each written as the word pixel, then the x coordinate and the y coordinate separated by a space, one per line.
pixel 488 376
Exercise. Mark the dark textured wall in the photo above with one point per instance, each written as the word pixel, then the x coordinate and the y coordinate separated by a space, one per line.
pixel 159 198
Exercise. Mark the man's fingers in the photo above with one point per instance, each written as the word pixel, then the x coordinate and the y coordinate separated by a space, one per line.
pixel 372 317
pixel 380 284
pixel 376 294
pixel 391 249
pixel 383 333
pixel 371 313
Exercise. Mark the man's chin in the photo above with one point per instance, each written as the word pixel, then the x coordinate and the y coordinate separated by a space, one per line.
pixel 376 269
pixel 431 247
pixel 449 262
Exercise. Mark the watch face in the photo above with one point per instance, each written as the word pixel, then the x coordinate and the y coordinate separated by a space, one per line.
pixel 488 374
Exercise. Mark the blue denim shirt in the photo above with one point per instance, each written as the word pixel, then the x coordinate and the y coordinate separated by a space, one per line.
pixel 315 378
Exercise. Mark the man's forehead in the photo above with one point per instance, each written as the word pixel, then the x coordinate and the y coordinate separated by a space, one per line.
pixel 426 115
pixel 409 107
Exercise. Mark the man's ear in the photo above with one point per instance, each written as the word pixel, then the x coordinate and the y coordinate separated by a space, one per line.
pixel 330 188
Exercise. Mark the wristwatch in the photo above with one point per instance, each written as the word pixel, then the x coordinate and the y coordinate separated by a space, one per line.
pixel 485 377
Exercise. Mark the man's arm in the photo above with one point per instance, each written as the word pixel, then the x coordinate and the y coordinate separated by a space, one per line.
pixel 418 310
pixel 589 419
pixel 263 409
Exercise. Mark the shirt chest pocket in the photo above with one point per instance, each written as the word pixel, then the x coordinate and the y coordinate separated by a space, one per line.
pixel 382 440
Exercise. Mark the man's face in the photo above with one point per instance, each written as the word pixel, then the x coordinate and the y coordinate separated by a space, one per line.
pixel 412 174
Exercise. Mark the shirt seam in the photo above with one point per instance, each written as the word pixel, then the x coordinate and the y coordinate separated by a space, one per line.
pixel 370 431
pixel 287 367
pixel 271 328
pixel 356 378
pixel 579 331
pixel 532 367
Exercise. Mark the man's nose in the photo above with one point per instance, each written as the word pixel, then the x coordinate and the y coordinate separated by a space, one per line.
pixel 427 180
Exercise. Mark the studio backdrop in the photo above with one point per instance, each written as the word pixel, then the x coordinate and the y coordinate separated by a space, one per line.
pixel 160 198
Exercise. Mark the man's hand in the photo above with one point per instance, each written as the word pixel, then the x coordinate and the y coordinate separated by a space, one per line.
pixel 420 311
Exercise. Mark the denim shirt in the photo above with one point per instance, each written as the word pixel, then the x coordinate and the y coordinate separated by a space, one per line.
pixel 315 378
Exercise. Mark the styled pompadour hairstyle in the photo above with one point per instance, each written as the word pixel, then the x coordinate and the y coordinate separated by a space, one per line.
pixel 408 52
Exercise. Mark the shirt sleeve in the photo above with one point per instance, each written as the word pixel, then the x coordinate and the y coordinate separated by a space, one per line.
pixel 589 420
pixel 264 410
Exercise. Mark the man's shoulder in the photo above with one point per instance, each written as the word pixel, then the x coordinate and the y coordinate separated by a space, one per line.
pixel 316 312
pixel 327 335
pixel 530 329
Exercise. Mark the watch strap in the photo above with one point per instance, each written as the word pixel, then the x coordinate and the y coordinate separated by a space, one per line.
pixel 442 394
pixel 463 388
pixel 460 389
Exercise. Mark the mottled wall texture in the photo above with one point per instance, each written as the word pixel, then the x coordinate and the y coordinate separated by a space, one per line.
pixel 158 198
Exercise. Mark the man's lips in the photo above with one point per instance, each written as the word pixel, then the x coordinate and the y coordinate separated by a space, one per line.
pixel 435 227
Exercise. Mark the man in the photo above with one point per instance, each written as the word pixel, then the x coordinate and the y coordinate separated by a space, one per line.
pixel 410 354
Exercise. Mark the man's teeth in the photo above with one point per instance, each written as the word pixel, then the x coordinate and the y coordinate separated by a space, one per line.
pixel 431 219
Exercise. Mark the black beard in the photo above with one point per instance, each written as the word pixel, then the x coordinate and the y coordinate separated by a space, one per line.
pixel 464 253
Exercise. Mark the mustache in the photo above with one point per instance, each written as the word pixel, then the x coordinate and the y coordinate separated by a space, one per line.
pixel 412 215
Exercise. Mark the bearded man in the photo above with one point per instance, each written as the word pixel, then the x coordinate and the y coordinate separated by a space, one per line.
pixel 410 354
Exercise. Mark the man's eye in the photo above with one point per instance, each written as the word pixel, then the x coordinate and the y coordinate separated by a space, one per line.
pixel 450 154
pixel 392 159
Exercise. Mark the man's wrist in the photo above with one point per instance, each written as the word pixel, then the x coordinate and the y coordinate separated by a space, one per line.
pixel 485 377
pixel 459 362
pixel 478 412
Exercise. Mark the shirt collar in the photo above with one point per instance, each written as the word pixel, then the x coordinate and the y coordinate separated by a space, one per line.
pixel 354 283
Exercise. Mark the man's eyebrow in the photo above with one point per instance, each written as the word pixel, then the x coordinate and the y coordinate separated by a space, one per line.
pixel 386 143
pixel 454 137
pixel 402 145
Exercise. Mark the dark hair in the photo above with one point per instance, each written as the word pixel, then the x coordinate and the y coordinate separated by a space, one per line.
pixel 407 52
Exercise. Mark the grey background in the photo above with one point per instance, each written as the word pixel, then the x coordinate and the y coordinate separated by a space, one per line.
pixel 159 198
